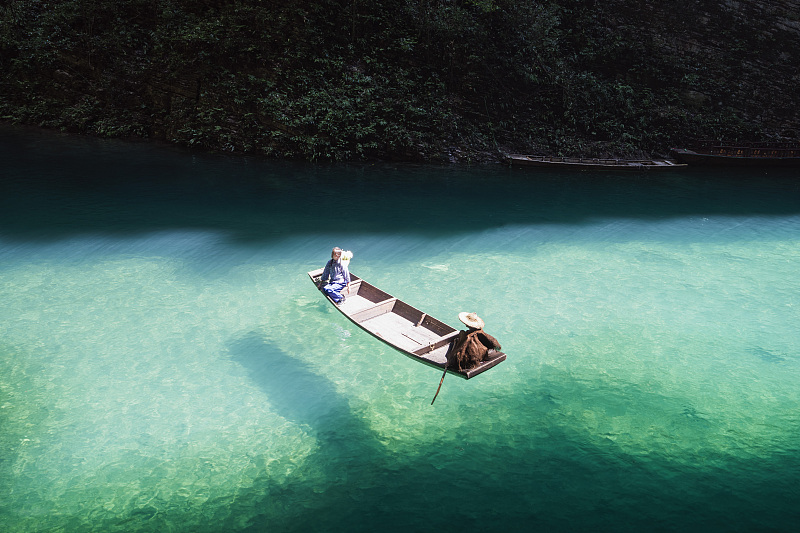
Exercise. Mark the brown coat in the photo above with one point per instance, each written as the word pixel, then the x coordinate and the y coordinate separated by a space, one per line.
pixel 470 348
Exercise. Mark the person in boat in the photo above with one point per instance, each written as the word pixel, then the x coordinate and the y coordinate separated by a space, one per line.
pixel 471 346
pixel 337 276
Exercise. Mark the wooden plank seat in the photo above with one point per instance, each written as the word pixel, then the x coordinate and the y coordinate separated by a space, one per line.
pixel 373 311
pixel 438 343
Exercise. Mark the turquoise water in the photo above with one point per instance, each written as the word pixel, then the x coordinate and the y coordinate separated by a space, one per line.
pixel 165 364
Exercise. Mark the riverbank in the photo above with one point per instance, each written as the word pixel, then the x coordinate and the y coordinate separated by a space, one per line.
pixel 394 80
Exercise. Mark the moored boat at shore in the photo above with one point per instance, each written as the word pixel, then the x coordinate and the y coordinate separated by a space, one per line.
pixel 406 329
pixel 739 154
pixel 583 163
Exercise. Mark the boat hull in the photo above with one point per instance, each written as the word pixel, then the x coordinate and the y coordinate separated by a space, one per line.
pixel 413 333
pixel 692 157
pixel 575 163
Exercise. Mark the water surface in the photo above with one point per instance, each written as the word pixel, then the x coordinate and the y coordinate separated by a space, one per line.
pixel 165 364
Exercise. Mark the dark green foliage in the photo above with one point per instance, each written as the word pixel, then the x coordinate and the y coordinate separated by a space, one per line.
pixel 405 79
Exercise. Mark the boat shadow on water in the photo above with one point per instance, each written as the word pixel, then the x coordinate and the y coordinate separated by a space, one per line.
pixel 300 395
pixel 351 462
pixel 348 457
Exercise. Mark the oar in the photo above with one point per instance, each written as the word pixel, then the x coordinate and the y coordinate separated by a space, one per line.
pixel 446 362
pixel 440 383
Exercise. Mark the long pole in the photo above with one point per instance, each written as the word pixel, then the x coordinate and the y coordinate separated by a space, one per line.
pixel 440 383
pixel 452 346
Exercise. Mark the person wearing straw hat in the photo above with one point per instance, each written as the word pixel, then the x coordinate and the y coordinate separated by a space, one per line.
pixel 473 345
pixel 337 274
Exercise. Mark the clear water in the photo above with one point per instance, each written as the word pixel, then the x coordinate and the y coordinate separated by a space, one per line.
pixel 165 364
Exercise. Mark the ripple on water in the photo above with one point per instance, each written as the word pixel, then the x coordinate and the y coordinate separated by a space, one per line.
pixel 193 381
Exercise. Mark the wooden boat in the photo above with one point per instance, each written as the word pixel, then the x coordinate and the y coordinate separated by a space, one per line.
pixel 410 331
pixel 740 154
pixel 581 163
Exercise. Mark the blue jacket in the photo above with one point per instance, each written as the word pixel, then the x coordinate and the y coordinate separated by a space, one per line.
pixel 336 271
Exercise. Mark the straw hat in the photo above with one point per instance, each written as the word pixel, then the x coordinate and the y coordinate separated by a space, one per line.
pixel 471 319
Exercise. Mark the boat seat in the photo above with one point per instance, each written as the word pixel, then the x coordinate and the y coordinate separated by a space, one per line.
pixel 437 343
pixel 378 309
